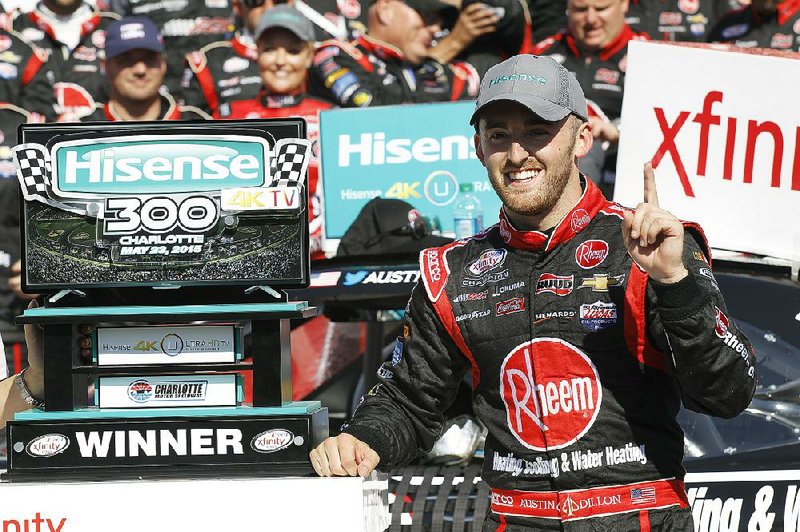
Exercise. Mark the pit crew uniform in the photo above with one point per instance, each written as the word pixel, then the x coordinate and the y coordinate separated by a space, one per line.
pixel 368 72
pixel 672 20
pixel 602 74
pixel 748 28
pixel 308 108
pixel 221 72
pixel 77 78
pixel 170 110
pixel 186 26
pixel 23 76
pixel 578 362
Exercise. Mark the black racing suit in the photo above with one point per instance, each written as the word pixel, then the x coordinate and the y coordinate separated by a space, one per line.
pixel 747 28
pixel 672 20
pixel 78 80
pixel 185 25
pixel 170 110
pixel 579 364
pixel 368 72
pixel 220 73
pixel 23 77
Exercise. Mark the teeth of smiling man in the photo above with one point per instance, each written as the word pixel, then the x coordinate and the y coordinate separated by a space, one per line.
pixel 523 175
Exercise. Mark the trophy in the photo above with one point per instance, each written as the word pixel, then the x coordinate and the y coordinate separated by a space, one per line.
pixel 176 241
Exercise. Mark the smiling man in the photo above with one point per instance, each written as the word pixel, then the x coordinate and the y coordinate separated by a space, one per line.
pixel 598 326
pixel 135 66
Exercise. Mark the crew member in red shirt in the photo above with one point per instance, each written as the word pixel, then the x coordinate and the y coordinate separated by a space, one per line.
pixel 285 40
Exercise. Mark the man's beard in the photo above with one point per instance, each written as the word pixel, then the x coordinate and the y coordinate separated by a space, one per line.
pixel 544 198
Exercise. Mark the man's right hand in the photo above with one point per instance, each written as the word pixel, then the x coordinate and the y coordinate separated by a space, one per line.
pixel 342 456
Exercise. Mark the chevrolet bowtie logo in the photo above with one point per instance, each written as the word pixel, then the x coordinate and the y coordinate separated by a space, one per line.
pixel 600 282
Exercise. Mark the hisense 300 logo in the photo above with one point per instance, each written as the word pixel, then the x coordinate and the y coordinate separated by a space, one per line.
pixel 158 164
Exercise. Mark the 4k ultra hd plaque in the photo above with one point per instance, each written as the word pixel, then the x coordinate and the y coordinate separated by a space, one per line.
pixel 164 204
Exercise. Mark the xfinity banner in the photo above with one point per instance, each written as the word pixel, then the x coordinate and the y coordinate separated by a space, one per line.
pixel 723 134
pixel 416 153
pixel 745 500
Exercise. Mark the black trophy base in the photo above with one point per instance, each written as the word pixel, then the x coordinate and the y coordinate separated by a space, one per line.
pixel 242 445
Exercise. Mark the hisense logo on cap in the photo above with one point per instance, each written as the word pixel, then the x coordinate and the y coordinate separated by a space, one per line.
pixel 514 77
pixel 154 164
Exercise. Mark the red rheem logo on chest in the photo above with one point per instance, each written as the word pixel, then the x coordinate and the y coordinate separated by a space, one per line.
pixel 591 253
pixel 551 391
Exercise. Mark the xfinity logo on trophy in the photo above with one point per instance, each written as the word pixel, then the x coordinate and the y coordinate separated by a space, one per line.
pixel 47 445
pixel 158 164
pixel 272 440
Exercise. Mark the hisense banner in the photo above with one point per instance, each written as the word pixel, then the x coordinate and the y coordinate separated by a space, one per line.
pixel 722 129
pixel 416 153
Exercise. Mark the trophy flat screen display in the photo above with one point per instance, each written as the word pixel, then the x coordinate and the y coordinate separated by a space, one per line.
pixel 164 204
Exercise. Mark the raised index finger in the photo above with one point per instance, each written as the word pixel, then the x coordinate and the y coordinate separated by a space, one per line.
pixel 650 193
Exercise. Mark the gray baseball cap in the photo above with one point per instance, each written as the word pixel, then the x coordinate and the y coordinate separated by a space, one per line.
pixel 287 17
pixel 539 83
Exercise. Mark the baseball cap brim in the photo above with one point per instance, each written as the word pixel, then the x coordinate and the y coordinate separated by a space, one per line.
pixel 542 108
pixel 127 47
pixel 288 18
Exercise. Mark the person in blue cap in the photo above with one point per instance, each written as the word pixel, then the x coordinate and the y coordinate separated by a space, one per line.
pixel 135 65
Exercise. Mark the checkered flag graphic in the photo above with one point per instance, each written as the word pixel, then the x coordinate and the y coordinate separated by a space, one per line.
pixel 33 171
pixel 290 163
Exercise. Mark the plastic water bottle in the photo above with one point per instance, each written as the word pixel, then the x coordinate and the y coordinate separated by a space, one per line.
pixel 467 213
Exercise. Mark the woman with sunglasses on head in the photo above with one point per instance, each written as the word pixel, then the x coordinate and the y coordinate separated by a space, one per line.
pixel 226 70
pixel 285 40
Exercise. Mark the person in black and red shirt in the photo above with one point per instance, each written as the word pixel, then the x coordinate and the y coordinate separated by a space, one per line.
pixel 23 76
pixel 584 327
pixel 762 24
pixel 285 49
pixel 72 35
pixel 674 20
pixel 135 66
pixel 226 71
pixel 594 46
pixel 390 64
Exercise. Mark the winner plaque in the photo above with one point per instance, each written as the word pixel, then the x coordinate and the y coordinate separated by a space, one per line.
pixel 176 241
